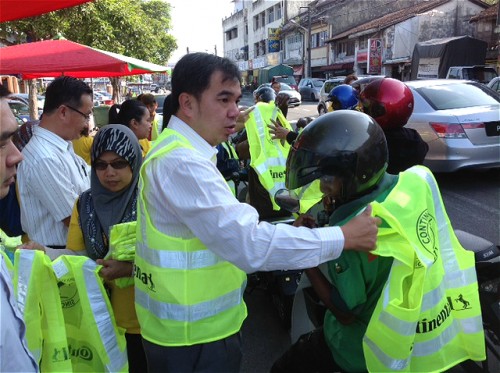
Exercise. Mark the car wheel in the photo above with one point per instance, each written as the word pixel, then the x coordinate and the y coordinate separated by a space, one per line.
pixel 321 110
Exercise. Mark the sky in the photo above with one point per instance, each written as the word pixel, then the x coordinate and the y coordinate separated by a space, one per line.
pixel 197 24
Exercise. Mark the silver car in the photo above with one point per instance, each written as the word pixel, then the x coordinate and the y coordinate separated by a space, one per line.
pixel 309 88
pixel 294 96
pixel 460 120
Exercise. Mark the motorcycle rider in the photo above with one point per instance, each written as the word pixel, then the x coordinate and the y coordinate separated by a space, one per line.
pixel 343 97
pixel 267 156
pixel 390 102
pixel 346 150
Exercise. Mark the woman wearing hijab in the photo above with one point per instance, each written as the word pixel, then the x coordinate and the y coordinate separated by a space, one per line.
pixel 112 199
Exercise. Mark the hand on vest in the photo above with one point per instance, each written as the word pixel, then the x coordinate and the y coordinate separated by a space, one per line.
pixel 360 233
pixel 31 245
pixel 242 118
pixel 113 269
pixel 277 130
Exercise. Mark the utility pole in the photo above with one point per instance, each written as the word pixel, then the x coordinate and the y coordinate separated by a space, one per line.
pixel 309 70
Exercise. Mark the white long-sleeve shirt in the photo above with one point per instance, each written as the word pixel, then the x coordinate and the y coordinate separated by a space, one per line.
pixel 50 179
pixel 188 198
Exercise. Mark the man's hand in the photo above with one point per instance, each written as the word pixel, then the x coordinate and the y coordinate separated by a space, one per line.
pixel 113 269
pixel 242 118
pixel 31 245
pixel 305 220
pixel 360 233
pixel 277 130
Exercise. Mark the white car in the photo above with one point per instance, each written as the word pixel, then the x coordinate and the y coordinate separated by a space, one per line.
pixel 295 99
pixel 460 120
pixel 494 84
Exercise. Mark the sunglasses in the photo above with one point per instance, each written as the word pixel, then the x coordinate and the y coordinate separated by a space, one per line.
pixel 119 164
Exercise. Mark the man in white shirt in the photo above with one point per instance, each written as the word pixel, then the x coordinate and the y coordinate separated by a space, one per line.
pixel 52 176
pixel 14 353
pixel 184 199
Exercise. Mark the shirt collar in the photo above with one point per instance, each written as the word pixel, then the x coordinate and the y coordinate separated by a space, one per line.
pixel 198 142
pixel 52 138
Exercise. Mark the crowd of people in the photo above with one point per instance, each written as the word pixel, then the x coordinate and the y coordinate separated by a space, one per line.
pixel 157 220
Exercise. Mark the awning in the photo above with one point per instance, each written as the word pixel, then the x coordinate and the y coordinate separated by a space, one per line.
pixel 11 10
pixel 298 70
pixel 338 66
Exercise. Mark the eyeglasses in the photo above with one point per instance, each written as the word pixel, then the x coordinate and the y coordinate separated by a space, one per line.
pixel 86 116
pixel 117 165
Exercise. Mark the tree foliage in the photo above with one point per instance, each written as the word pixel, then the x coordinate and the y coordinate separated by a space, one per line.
pixel 136 28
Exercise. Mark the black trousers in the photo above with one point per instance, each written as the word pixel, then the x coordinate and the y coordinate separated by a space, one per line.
pixel 309 354
pixel 219 356
pixel 137 362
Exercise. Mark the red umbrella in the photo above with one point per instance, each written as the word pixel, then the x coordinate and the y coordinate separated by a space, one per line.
pixel 11 10
pixel 52 58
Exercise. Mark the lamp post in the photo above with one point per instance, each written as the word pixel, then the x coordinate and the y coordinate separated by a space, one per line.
pixel 307 33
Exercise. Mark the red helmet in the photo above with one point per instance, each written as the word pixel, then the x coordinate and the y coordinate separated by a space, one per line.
pixel 388 101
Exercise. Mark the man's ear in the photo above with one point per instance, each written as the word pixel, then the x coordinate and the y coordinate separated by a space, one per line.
pixel 186 104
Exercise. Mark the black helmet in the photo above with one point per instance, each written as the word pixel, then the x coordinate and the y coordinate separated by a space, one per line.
pixel 265 94
pixel 345 143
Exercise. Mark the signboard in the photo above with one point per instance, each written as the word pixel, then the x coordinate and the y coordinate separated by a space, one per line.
pixel 273 40
pixel 428 68
pixel 259 62
pixel 374 56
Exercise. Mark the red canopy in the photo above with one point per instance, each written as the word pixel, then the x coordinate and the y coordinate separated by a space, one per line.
pixel 52 58
pixel 11 10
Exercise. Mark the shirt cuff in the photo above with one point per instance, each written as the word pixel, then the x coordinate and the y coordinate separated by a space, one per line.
pixel 332 240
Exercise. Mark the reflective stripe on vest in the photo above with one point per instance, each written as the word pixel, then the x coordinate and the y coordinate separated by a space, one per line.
pixel 38 300
pixel 96 328
pixel 184 293
pixel 430 303
pixel 267 157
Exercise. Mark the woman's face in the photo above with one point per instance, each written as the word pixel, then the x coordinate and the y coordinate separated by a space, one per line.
pixel 114 172
pixel 142 128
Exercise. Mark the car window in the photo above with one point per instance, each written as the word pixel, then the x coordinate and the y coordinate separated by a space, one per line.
pixel 454 96
pixel 318 83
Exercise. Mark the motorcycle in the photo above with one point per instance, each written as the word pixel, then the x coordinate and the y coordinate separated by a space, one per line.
pixel 487 257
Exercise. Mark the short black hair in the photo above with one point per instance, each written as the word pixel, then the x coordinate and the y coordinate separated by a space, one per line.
pixel 65 90
pixel 192 74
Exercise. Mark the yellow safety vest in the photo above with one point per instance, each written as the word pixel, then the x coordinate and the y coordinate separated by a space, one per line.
pixel 184 293
pixel 428 317
pixel 267 156
pixel 95 343
pixel 38 300
pixel 232 155
pixel 309 196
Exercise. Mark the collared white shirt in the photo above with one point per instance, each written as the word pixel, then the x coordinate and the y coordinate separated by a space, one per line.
pixel 188 197
pixel 14 353
pixel 50 179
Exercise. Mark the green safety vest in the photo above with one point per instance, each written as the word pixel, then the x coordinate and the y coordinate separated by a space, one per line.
pixel 267 156
pixel 38 299
pixel 184 293
pixel 94 342
pixel 428 317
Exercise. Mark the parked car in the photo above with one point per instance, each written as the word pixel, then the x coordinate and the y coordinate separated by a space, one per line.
pixel 287 79
pixel 460 120
pixel 494 84
pixel 295 99
pixel 309 88
pixel 327 86
pixel 478 73
pixel 160 99
pixel 20 109
pixel 102 98
pixel 24 98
